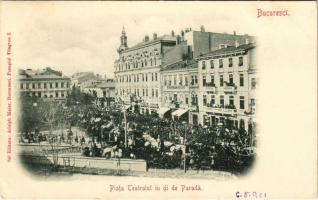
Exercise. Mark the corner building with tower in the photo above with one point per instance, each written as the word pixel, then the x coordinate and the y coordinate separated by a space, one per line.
pixel 165 75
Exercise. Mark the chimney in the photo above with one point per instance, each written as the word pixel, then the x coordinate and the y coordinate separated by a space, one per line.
pixel 234 32
pixel 202 28
pixel 172 33
pixel 247 41
pixel 154 36
pixel 146 39
pixel 236 43
pixel 178 40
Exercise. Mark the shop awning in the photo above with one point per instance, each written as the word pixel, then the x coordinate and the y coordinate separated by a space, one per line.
pixel 162 111
pixel 179 112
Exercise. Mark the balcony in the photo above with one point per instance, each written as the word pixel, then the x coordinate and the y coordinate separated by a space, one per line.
pixel 210 87
pixel 193 108
pixel 179 87
pixel 194 85
pixel 221 110
pixel 229 88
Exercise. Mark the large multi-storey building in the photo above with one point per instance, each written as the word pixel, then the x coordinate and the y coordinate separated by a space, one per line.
pixel 46 83
pixel 179 90
pixel 137 71
pixel 227 79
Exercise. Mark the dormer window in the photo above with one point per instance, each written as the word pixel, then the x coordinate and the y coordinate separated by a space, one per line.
pixel 230 62
pixel 203 64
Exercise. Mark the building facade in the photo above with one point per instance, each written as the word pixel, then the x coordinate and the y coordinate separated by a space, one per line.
pixel 227 83
pixel 142 71
pixel 179 91
pixel 137 72
pixel 46 83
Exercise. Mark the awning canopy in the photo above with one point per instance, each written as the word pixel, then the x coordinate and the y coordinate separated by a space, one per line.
pixel 179 112
pixel 162 111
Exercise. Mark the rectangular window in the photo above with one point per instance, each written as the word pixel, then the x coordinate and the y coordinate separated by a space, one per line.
pixel 195 79
pixel 62 85
pixel 221 81
pixel 33 85
pixel 51 85
pixel 204 100
pixel 222 101
pixel 204 80
pixel 152 92
pixel 211 64
pixel 240 61
pixel 56 94
pixel 220 63
pixel 39 85
pixel 45 85
pixel 165 80
pixel 152 77
pixel 212 79
pixel 230 62
pixel 203 64
pixel 187 100
pixel 174 80
pixel 241 80
pixel 21 85
pixel 146 77
pixel 231 79
pixel 175 97
pixel 180 80
pixel 212 100
pixel 241 102
pixel 56 85
pixel 186 80
pixel 156 92
pixel 156 77
pixel 231 102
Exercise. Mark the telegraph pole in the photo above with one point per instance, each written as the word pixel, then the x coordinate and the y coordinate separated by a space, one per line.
pixel 125 119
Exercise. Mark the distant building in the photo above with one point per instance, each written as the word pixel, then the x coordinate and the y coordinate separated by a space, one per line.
pixel 104 91
pixel 227 79
pixel 86 79
pixel 46 83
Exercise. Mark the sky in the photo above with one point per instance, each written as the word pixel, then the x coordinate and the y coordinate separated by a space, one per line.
pixel 84 36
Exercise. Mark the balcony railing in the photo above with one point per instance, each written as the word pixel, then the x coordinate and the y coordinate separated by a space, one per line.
pixel 176 87
pixel 219 109
pixel 230 89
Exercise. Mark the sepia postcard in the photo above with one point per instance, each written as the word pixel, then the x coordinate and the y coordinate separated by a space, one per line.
pixel 158 100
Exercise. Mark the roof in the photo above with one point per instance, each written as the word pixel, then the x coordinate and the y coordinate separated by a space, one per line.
pixel 161 38
pixel 183 64
pixel 46 73
pixel 106 85
pixel 230 49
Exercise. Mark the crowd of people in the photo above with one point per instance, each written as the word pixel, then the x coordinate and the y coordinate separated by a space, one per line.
pixel 162 142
